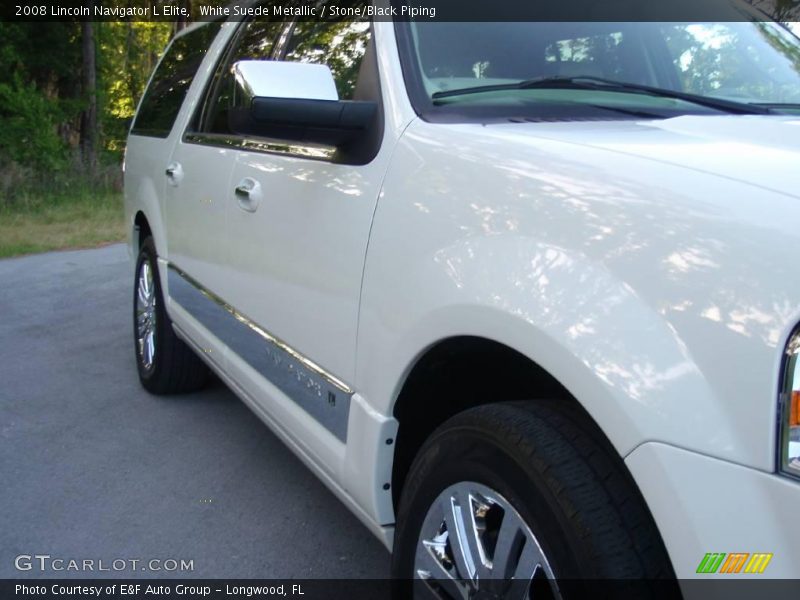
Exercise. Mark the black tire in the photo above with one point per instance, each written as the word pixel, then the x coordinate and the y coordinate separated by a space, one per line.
pixel 563 478
pixel 174 368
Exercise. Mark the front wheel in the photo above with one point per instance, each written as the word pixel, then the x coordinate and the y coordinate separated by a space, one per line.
pixel 165 363
pixel 523 500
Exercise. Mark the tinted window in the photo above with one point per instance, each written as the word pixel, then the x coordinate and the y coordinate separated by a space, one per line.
pixel 592 56
pixel 255 41
pixel 164 96
pixel 341 46
pixel 755 62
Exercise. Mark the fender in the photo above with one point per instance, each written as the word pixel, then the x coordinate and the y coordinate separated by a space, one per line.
pixel 567 254
pixel 618 357
pixel 145 201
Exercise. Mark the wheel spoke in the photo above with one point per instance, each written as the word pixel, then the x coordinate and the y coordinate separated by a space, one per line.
pixel 461 534
pixel 426 589
pixel 521 573
pixel 510 540
pixel 529 560
pixel 429 568
pixel 518 588
pixel 151 350
pixel 147 276
pixel 472 541
pixel 144 301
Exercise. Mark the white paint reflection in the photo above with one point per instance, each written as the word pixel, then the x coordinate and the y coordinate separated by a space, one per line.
pixel 690 259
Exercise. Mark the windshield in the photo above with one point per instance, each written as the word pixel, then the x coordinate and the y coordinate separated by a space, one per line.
pixel 754 62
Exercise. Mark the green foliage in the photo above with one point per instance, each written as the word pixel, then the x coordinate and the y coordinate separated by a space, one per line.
pixel 127 53
pixel 29 135
pixel 78 217
pixel 41 103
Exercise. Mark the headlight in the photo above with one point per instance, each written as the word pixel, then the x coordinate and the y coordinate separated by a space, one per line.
pixel 789 451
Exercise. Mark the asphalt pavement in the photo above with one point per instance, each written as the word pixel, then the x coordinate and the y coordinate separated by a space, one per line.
pixel 94 468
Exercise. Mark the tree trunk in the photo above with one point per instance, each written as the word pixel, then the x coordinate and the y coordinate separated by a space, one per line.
pixel 88 142
pixel 183 22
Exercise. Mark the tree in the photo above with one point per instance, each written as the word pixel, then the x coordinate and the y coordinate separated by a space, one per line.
pixel 89 134
pixel 182 21
pixel 780 10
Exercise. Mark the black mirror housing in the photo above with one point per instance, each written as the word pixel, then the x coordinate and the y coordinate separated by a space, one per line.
pixel 328 122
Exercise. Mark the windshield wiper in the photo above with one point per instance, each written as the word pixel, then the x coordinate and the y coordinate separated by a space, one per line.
pixel 609 85
pixel 777 107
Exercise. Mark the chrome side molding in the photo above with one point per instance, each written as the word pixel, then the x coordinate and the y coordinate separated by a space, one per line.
pixel 322 395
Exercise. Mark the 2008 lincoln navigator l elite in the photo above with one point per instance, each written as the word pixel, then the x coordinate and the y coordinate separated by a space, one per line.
pixel 523 295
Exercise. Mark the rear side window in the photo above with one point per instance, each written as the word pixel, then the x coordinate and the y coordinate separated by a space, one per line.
pixel 164 96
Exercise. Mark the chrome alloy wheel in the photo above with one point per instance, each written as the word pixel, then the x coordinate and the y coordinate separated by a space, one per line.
pixel 474 545
pixel 146 315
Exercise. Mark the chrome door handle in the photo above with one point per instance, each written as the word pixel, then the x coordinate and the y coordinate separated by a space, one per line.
pixel 174 173
pixel 243 191
pixel 248 193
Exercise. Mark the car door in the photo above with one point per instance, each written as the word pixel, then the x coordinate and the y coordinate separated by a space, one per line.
pixel 198 176
pixel 157 130
pixel 296 245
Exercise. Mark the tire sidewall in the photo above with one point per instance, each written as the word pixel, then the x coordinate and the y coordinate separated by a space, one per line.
pixel 471 454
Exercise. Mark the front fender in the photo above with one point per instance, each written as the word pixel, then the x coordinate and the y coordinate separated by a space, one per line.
pixel 659 296
pixel 625 364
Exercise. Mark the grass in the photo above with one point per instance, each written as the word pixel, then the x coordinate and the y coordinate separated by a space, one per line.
pixel 71 218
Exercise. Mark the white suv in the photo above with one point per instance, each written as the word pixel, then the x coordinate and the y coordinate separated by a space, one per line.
pixel 521 294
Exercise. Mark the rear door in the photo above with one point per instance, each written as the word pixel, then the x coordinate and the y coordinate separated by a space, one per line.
pixel 157 127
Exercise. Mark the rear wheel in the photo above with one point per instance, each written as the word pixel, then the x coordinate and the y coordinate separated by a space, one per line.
pixel 523 500
pixel 166 364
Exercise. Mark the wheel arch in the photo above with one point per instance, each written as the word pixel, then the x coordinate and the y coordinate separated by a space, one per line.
pixel 450 376
pixel 141 230
pixel 144 215
pixel 461 372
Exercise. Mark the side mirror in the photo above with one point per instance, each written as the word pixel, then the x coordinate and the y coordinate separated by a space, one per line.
pixel 296 102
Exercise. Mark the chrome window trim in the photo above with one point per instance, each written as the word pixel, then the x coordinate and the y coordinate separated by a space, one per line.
pixel 260 145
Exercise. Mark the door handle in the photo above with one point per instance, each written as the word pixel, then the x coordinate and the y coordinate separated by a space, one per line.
pixel 248 193
pixel 242 191
pixel 174 173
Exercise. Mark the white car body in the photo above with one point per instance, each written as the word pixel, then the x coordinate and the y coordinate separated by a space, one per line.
pixel 644 264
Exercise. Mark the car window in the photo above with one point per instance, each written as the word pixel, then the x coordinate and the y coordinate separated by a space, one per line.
pixel 754 63
pixel 341 46
pixel 255 41
pixel 453 55
pixel 611 55
pixel 748 62
pixel 165 94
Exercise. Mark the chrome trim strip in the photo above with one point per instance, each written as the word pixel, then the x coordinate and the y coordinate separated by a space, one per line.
pixel 266 147
pixel 323 395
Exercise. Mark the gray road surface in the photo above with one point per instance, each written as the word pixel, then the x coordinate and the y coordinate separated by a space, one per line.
pixel 92 467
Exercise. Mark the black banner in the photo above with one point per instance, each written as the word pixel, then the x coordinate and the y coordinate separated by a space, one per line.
pixel 402 10
pixel 712 588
